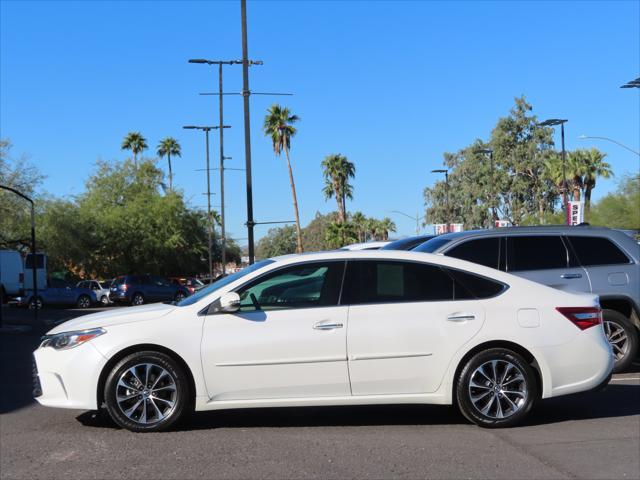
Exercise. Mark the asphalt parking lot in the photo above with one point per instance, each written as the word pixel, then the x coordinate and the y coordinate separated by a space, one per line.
pixel 593 435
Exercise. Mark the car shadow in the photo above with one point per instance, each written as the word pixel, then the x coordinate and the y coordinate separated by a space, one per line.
pixel 615 401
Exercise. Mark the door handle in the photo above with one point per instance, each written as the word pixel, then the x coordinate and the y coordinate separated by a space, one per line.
pixel 326 326
pixel 460 317
pixel 569 276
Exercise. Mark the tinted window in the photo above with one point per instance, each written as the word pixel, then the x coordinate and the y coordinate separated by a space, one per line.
pixel 300 286
pixel 407 243
pixel 483 251
pixel 476 286
pixel 118 281
pixel 535 252
pixel 432 245
pixel 597 251
pixel 39 261
pixel 371 281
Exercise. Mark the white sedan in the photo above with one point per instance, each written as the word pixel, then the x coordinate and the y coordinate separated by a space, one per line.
pixel 333 328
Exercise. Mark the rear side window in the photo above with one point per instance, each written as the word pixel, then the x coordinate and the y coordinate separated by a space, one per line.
pixel 597 251
pixel 432 245
pixel 483 251
pixel 478 287
pixel 371 281
pixel 535 252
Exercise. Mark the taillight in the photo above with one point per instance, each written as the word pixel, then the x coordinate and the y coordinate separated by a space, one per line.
pixel 582 317
pixel 124 287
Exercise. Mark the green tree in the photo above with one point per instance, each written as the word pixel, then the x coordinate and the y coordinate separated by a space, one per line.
pixel 135 142
pixel 337 171
pixel 277 241
pixel 619 209
pixel 339 234
pixel 359 221
pixel 278 124
pixel 167 147
pixel 314 234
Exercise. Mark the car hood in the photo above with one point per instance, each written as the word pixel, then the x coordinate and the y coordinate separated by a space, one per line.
pixel 116 316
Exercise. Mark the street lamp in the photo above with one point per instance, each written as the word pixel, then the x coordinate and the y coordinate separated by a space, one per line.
pixel 416 218
pixel 209 220
pixel 446 180
pixel 552 122
pixel 489 151
pixel 632 84
pixel 584 137
pixel 34 260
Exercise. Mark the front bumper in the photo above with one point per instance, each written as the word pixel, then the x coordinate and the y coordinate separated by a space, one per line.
pixel 68 378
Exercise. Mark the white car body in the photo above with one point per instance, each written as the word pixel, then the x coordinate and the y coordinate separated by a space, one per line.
pixel 386 354
pixel 375 245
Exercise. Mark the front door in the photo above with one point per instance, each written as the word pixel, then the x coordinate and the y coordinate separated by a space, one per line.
pixel 288 340
pixel 406 320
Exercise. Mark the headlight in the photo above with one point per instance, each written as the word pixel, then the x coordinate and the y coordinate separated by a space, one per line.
pixel 66 340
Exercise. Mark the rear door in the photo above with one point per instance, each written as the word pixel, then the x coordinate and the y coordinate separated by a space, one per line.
pixel 545 259
pixel 406 320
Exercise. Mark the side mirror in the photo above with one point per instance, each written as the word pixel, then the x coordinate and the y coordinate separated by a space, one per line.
pixel 229 302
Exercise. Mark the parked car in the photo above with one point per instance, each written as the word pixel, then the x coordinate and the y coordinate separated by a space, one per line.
pixel 582 258
pixel 11 274
pixel 408 243
pixel 140 289
pixel 365 246
pixel 333 328
pixel 190 283
pixel 58 293
pixel 101 289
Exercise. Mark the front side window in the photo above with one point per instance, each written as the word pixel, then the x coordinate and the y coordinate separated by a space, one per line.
pixel 483 251
pixel 381 281
pixel 307 285
pixel 593 251
pixel 536 252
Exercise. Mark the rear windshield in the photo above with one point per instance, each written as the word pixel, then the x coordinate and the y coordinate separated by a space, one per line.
pixel 432 245
pixel 118 280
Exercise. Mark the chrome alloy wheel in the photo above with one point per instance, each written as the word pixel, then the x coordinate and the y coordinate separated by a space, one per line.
pixel 498 389
pixel 617 338
pixel 146 393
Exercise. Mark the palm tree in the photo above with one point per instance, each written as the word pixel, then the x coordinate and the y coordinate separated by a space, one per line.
pixel 594 166
pixel 337 171
pixel 360 224
pixel 167 147
pixel 278 124
pixel 135 142
pixel 386 225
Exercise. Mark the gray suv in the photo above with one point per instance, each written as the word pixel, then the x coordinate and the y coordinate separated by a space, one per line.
pixel 581 258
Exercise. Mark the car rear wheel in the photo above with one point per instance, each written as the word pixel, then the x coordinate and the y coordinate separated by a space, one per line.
pixel 83 301
pixel 104 300
pixel 179 296
pixel 496 388
pixel 623 338
pixel 33 304
pixel 137 299
pixel 146 392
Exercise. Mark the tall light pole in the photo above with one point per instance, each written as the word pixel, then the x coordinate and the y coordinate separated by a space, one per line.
pixel 446 180
pixel 209 219
pixel 416 218
pixel 552 122
pixel 34 259
pixel 584 137
pixel 489 151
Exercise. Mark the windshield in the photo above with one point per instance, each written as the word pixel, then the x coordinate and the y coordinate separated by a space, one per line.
pixel 432 245
pixel 200 294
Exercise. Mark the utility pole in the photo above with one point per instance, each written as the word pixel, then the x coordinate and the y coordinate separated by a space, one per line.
pixel 492 208
pixel 208 169
pixel 552 122
pixel 446 188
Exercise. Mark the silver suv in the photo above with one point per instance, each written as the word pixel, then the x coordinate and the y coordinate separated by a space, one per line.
pixel 587 259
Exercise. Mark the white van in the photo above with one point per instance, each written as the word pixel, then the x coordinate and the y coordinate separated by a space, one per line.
pixel 11 274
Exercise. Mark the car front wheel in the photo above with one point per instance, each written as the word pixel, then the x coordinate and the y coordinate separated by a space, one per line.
pixel 496 388
pixel 623 338
pixel 83 301
pixel 104 300
pixel 138 299
pixel 146 392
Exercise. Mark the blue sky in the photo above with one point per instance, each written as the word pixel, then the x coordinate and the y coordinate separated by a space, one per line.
pixel 392 85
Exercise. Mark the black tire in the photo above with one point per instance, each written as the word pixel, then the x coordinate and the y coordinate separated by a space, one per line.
pixel 84 301
pixel 104 300
pixel 624 349
pixel 520 377
pixel 137 299
pixel 32 304
pixel 135 420
pixel 179 296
